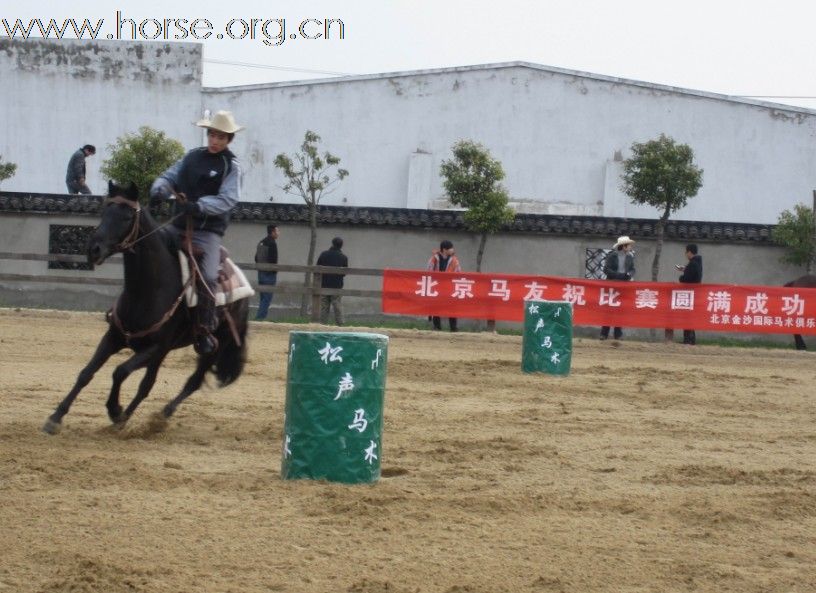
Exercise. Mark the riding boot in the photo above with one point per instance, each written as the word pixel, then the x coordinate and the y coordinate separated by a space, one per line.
pixel 206 322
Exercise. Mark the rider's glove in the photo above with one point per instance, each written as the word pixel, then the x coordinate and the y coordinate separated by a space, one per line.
pixel 159 192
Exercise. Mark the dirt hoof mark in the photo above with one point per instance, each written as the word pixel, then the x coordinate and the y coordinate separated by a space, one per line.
pixel 393 472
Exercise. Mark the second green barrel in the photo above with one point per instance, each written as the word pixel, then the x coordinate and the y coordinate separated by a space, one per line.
pixel 547 343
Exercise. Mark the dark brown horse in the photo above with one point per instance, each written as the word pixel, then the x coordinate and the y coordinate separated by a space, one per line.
pixel 150 317
pixel 806 281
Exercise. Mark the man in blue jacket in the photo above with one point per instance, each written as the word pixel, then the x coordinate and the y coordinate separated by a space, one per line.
pixel 267 253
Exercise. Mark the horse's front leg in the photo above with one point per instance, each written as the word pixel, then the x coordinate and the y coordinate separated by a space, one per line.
pixel 109 345
pixel 122 372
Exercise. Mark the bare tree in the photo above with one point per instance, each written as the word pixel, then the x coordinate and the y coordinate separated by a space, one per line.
pixel 310 175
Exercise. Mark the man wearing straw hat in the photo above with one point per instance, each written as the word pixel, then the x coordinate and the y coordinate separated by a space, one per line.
pixel 208 180
pixel 619 265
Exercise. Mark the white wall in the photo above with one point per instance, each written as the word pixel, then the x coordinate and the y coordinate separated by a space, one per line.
pixel 58 96
pixel 560 135
pixel 554 131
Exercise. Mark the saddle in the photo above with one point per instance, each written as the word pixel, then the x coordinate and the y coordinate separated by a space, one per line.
pixel 232 283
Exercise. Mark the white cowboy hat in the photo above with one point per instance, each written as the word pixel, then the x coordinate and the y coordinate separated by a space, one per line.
pixel 222 121
pixel 624 240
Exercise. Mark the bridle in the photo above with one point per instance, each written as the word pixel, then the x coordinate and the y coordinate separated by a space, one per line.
pixel 132 237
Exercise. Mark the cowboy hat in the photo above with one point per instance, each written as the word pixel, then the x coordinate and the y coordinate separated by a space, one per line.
pixel 222 121
pixel 624 240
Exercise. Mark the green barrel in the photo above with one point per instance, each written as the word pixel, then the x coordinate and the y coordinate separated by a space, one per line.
pixel 547 344
pixel 334 406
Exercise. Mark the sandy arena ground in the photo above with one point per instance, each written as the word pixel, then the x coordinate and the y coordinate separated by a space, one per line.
pixel 651 468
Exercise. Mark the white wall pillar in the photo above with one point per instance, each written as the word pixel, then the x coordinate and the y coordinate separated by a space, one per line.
pixel 419 180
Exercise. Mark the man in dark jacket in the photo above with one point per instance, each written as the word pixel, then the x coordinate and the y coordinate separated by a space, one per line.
pixel 267 253
pixel 692 274
pixel 75 177
pixel 209 180
pixel 335 257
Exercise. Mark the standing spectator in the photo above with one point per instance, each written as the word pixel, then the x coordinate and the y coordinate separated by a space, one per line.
pixel 444 260
pixel 75 177
pixel 208 178
pixel 333 256
pixel 692 274
pixel 267 253
pixel 619 265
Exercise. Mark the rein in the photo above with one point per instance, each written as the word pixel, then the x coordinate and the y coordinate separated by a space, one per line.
pixel 153 328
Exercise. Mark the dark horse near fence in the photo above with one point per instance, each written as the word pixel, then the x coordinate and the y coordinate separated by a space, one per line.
pixel 150 316
pixel 806 281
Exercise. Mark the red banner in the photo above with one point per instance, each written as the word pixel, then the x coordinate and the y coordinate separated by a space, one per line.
pixel 714 307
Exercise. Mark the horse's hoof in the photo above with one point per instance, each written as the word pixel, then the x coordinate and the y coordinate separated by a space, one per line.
pixel 119 425
pixel 116 416
pixel 120 422
pixel 167 411
pixel 51 427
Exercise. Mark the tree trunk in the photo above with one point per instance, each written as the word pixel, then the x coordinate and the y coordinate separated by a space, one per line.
pixel 307 280
pixel 491 323
pixel 661 224
pixel 480 252
pixel 668 334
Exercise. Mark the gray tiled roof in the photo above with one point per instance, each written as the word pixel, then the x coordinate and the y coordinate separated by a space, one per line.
pixel 597 226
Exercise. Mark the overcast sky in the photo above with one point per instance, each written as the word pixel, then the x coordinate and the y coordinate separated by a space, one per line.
pixel 733 47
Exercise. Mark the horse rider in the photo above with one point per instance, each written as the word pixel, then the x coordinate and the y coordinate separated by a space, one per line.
pixel 208 178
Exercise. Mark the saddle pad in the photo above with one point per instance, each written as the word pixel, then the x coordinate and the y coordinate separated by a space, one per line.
pixel 232 283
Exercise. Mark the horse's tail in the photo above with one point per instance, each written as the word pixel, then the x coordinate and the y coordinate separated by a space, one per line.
pixel 229 364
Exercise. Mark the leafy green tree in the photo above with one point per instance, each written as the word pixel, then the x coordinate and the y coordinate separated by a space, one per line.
pixel 7 170
pixel 140 158
pixel 794 230
pixel 471 179
pixel 310 175
pixel 662 174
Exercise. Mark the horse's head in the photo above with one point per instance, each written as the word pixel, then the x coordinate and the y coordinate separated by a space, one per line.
pixel 120 223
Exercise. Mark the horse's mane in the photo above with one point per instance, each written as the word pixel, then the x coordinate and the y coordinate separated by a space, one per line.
pixel 169 239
